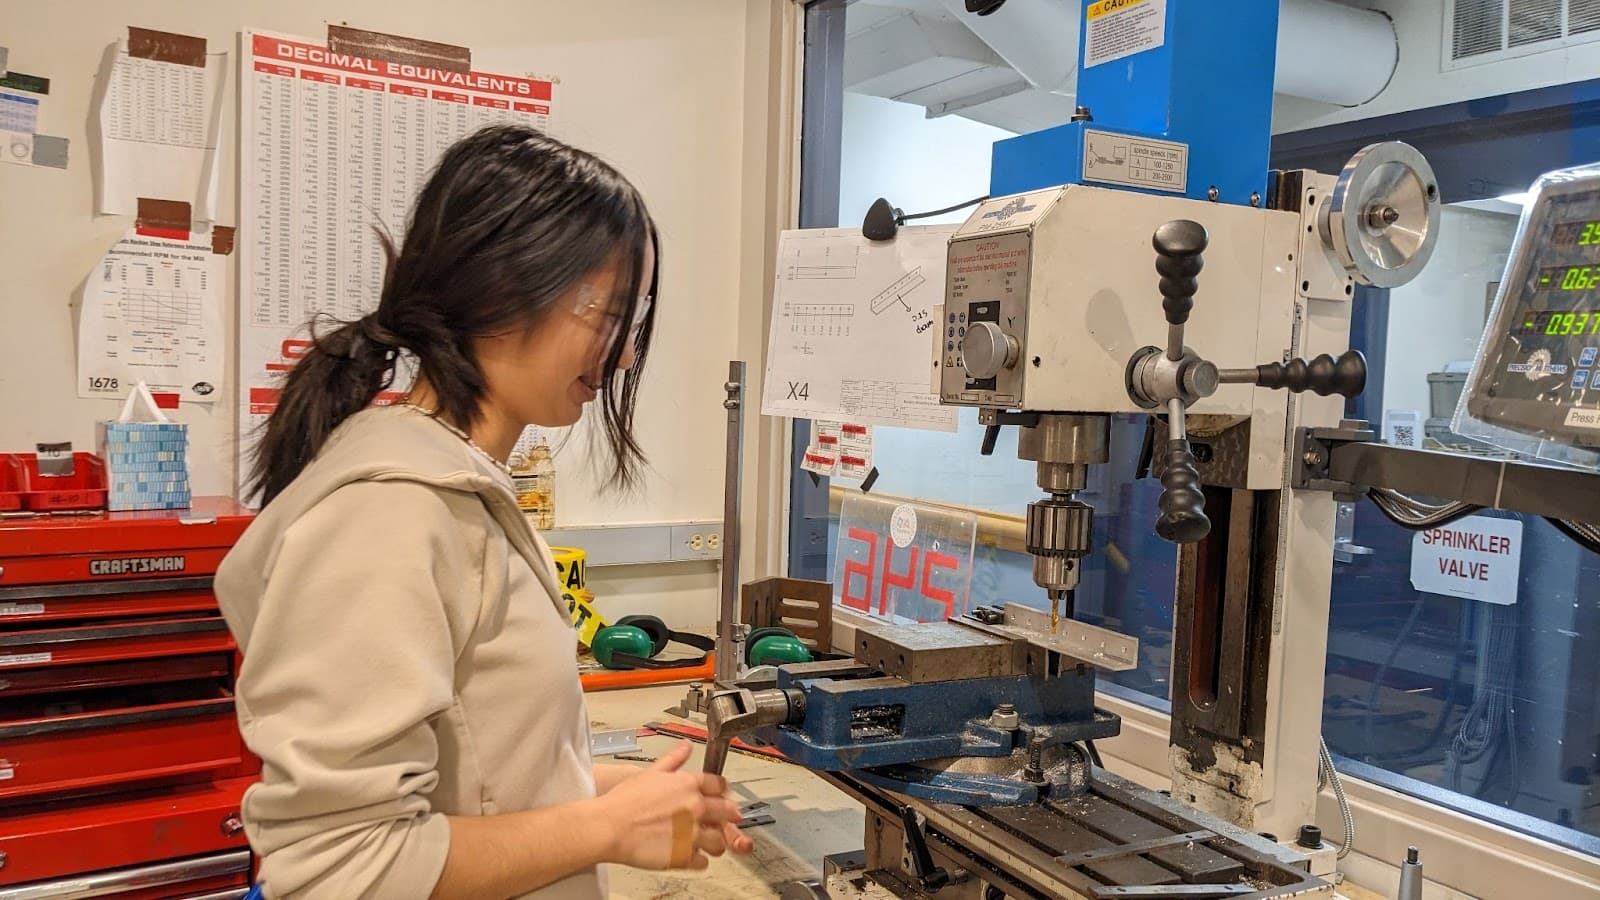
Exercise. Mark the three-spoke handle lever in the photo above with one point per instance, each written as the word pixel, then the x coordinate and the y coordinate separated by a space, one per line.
pixel 1172 379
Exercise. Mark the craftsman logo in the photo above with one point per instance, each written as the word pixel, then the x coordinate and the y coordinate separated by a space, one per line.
pixel 203 388
pixel 1478 558
pixel 1013 206
pixel 135 565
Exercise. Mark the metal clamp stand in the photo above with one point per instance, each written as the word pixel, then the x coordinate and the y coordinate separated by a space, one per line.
pixel 727 648
pixel 728 610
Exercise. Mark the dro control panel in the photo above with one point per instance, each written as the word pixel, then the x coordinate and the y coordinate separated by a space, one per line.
pixel 1537 367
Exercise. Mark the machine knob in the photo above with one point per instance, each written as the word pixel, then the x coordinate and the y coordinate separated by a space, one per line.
pixel 986 350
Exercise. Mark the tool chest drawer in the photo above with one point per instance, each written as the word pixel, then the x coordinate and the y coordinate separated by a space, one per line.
pixel 213 877
pixel 29 603
pixel 45 841
pixel 110 640
pixel 94 739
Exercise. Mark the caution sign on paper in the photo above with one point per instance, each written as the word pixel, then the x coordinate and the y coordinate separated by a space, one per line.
pixel 1118 28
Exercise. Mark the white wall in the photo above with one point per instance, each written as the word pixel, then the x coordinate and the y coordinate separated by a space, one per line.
pixel 892 150
pixel 659 89
pixel 1418 81
pixel 1439 317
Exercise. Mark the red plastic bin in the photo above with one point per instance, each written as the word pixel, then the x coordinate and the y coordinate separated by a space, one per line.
pixel 10 483
pixel 85 488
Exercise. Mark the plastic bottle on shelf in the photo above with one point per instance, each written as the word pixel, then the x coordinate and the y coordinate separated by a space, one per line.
pixel 534 476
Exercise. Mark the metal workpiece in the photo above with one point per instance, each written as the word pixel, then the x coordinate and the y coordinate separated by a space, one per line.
pixel 1080 643
pixel 730 714
pixel 934 651
pixel 727 657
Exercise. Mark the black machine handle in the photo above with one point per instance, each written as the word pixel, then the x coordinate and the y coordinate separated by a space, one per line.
pixel 1183 504
pixel 1323 375
pixel 1180 247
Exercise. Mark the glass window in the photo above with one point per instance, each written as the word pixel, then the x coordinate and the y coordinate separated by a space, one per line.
pixel 1491 708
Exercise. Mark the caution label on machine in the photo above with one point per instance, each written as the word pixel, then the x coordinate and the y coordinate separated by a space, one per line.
pixel 1118 28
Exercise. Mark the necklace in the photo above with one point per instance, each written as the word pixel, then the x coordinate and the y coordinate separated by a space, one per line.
pixel 434 415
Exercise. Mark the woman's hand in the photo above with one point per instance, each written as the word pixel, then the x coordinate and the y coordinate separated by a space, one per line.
pixel 665 818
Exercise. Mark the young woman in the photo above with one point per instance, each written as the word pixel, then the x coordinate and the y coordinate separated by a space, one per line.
pixel 408 676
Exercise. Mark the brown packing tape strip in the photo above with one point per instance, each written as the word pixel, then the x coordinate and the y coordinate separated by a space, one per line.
pixel 400 50
pixel 683 835
pixel 164 46
pixel 222 239
pixel 162 215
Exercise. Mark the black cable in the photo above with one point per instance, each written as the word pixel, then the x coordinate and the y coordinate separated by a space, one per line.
pixel 902 218
pixel 1383 673
pixel 1425 516
pixel 1398 760
pixel 1094 755
pixel 1572 531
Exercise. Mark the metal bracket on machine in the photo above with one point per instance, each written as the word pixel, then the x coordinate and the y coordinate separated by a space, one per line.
pixel 1312 458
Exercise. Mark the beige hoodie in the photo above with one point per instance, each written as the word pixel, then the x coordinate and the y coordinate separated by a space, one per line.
pixel 407 656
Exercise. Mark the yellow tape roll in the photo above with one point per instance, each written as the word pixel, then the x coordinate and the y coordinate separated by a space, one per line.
pixel 571 566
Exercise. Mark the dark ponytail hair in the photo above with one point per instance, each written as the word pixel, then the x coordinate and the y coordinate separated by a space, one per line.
pixel 510 220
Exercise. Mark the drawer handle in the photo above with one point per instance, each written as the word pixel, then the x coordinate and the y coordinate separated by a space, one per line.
pixel 232 825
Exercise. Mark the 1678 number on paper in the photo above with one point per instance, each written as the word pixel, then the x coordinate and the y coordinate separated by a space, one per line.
pixel 104 385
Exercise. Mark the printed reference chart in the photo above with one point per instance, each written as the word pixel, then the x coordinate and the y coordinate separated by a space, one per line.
pixel 333 148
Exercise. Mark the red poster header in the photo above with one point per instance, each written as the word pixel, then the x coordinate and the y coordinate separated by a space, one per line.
pixel 452 96
pixel 408 90
pixel 324 77
pixel 270 69
pixel 364 84
pixel 494 102
pixel 538 109
pixel 280 50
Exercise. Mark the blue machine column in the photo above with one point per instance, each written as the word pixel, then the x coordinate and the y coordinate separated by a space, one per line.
pixel 1179 99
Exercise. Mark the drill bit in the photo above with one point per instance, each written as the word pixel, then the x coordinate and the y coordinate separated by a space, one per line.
pixel 1055 611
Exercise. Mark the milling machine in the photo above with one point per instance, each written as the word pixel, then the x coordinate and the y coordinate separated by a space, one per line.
pixel 971 741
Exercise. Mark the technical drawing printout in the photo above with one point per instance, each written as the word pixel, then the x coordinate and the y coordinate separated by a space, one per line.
pixel 852 327
pixel 152 312
pixel 331 147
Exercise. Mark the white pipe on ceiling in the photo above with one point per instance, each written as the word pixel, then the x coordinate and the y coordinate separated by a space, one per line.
pixel 1334 53
pixel 1327 51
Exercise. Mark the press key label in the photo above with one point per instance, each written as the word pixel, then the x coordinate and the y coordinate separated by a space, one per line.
pixel 21 609
pixel 1583 418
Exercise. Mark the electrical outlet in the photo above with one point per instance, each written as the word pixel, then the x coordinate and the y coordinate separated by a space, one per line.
pixel 696 542
pixel 714 540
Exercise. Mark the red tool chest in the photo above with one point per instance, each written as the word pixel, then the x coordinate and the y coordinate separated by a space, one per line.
pixel 121 764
